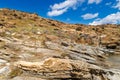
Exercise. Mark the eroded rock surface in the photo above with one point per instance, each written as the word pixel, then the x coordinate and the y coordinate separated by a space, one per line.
pixel 33 48
pixel 56 68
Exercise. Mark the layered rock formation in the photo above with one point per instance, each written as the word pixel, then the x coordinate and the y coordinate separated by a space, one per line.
pixel 56 68
pixel 35 48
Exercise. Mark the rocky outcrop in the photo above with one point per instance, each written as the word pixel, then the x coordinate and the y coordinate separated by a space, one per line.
pixel 51 49
pixel 56 68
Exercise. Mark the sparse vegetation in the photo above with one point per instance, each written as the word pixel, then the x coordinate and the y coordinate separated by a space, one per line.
pixel 29 37
pixel 79 29
pixel 2 44
pixel 15 72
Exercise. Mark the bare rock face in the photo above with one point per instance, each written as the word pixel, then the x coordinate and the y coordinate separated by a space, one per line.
pixel 55 68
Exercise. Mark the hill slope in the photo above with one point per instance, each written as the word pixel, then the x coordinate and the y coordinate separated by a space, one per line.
pixel 29 37
pixel 15 22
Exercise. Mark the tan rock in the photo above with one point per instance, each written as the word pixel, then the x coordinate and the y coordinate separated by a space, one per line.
pixel 58 68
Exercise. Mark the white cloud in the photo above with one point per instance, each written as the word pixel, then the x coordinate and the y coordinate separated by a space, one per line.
pixel 89 16
pixel 108 4
pixel 94 1
pixel 57 12
pixel 110 19
pixel 117 5
pixel 58 9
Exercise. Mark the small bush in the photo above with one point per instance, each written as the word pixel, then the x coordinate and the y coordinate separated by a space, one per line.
pixel 79 29
pixel 15 72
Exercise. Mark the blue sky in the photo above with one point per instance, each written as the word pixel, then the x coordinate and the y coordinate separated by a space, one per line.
pixel 93 12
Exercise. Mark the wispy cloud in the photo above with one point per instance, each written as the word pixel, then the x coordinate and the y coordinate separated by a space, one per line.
pixel 110 19
pixel 57 12
pixel 117 5
pixel 109 3
pixel 94 1
pixel 85 8
pixel 89 16
pixel 59 9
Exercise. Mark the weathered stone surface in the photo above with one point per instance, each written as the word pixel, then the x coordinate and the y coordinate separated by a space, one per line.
pixel 77 51
pixel 66 68
pixel 26 78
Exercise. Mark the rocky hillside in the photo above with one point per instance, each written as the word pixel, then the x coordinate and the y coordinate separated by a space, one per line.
pixel 35 48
